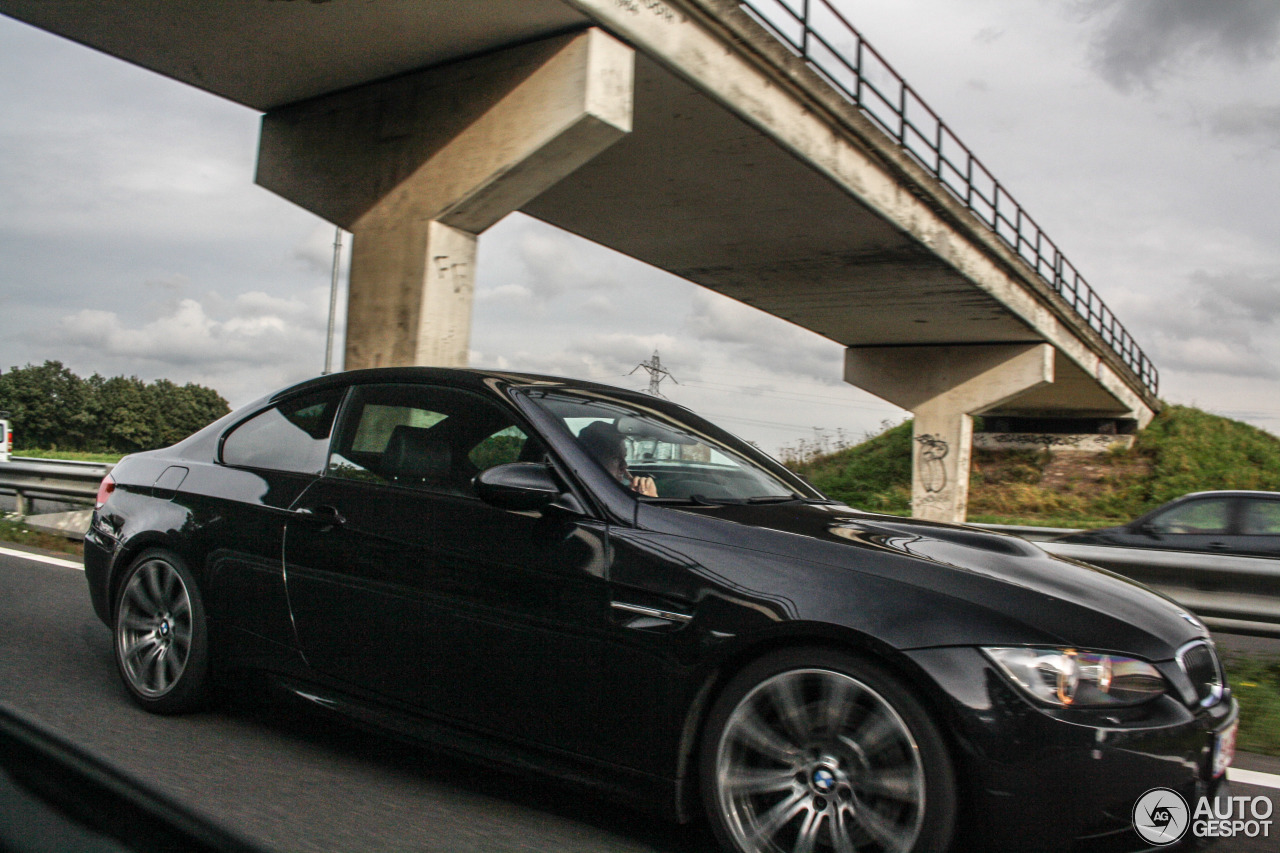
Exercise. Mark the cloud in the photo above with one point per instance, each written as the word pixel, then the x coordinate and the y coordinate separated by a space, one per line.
pixel 242 346
pixel 1220 324
pixel 988 35
pixel 553 263
pixel 758 338
pixel 315 253
pixel 1247 120
pixel 1238 297
pixel 258 327
pixel 1214 355
pixel 608 357
pixel 1141 40
pixel 506 293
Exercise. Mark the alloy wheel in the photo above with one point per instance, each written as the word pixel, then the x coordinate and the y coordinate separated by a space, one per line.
pixel 816 760
pixel 154 628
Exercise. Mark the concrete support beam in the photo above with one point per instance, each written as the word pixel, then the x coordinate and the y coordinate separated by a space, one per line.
pixel 416 167
pixel 944 387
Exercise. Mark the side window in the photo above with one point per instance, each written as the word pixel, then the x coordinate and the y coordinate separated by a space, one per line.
pixel 1205 517
pixel 423 437
pixel 291 436
pixel 1261 518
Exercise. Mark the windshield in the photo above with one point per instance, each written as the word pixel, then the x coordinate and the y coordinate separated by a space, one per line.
pixel 665 455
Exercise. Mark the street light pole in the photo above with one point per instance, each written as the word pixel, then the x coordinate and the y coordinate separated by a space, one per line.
pixel 333 300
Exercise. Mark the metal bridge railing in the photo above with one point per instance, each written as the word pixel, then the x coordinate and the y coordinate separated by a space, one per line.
pixel 834 48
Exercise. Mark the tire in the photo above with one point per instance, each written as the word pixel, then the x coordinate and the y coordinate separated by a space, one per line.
pixel 161 640
pixel 816 750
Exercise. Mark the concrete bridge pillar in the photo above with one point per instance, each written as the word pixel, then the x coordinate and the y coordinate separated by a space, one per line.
pixel 418 165
pixel 944 387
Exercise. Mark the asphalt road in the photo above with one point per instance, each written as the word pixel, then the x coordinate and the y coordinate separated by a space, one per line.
pixel 301 784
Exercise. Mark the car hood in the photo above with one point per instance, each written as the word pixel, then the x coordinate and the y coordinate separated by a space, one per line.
pixel 1069 602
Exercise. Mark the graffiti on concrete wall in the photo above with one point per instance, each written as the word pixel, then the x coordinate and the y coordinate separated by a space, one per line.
pixel 1088 443
pixel 931 470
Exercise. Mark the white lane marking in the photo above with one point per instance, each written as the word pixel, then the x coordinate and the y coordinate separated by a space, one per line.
pixel 1252 777
pixel 41 558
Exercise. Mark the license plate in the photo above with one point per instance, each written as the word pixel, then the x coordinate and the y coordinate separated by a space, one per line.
pixel 1224 749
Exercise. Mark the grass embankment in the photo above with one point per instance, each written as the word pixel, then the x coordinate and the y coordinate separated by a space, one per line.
pixel 1183 450
pixel 1255 682
pixel 74 455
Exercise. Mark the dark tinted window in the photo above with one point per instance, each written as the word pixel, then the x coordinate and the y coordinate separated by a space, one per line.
pixel 1203 516
pixel 1261 518
pixel 424 437
pixel 292 436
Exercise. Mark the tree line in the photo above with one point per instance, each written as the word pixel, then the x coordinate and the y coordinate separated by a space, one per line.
pixel 50 408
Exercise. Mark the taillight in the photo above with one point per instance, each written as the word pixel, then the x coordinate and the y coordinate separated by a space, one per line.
pixel 105 488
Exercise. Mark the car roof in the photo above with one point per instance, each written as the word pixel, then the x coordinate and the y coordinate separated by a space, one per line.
pixel 465 377
pixel 1228 493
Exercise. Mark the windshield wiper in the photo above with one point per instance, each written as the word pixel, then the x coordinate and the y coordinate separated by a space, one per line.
pixel 703 500
pixel 786 499
pixel 696 500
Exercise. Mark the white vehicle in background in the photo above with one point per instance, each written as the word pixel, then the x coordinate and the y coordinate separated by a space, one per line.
pixel 6 437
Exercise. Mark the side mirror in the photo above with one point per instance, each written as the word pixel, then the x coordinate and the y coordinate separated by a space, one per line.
pixel 518 486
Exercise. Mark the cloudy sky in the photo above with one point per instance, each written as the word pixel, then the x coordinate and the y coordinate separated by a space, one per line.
pixel 1144 136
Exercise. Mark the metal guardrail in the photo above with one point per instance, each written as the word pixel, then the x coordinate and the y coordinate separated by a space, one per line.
pixel 51 479
pixel 834 48
pixel 1028 532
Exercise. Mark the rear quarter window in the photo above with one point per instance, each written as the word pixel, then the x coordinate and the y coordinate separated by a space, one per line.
pixel 291 436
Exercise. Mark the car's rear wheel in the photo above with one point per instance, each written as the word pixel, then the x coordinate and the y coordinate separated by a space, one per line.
pixel 815 750
pixel 161 642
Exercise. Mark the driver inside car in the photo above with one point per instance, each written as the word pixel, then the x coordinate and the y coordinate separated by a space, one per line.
pixel 603 441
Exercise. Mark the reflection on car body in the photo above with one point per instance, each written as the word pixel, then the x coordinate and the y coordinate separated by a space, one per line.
pixel 435 552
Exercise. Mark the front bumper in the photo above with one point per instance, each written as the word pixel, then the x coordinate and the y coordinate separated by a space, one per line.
pixel 1067 778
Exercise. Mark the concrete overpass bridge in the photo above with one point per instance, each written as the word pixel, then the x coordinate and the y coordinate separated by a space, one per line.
pixel 761 149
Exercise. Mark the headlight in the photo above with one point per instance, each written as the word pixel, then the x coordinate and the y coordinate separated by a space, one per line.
pixel 1069 678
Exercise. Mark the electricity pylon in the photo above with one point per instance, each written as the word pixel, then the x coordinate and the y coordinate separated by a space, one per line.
pixel 656 372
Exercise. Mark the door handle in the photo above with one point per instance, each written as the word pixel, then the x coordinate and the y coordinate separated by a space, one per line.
pixel 650 618
pixel 324 514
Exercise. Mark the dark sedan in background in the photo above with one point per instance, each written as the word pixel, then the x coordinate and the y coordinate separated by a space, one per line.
pixel 1243 523
pixel 601 586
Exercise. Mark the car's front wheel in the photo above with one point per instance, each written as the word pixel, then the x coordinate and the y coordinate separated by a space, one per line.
pixel 161 642
pixel 815 750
